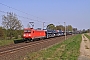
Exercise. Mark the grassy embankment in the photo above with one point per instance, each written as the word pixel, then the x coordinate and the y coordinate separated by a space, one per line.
pixel 67 50
pixel 87 36
pixel 8 42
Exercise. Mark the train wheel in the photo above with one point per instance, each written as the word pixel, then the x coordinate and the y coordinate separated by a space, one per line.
pixel 31 40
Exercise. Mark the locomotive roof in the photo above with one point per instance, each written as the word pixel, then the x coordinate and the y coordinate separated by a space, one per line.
pixel 28 28
pixel 32 29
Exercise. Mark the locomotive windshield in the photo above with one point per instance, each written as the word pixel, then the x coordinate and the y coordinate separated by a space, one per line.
pixel 27 31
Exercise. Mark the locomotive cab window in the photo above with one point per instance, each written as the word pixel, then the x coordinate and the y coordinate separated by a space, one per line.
pixel 27 31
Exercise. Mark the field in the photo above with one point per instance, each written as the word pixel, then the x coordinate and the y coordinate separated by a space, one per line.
pixel 6 42
pixel 67 50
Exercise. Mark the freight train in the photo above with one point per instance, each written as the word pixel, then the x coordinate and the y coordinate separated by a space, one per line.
pixel 31 34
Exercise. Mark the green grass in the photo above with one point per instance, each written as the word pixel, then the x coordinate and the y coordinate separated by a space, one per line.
pixel 67 50
pixel 6 42
pixel 87 36
pixel 18 39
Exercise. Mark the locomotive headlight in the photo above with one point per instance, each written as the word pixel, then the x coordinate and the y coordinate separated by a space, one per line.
pixel 29 35
pixel 24 35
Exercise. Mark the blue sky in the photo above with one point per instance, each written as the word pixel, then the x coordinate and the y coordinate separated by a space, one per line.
pixel 73 12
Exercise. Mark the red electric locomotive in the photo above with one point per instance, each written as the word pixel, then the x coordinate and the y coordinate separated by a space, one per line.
pixel 30 34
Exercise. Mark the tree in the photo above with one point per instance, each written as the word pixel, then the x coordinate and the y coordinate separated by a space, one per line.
pixel 1 33
pixel 88 30
pixel 11 23
pixel 74 29
pixel 60 27
pixel 69 28
pixel 51 26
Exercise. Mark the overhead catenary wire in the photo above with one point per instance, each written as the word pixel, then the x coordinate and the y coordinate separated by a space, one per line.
pixel 27 18
pixel 46 22
pixel 22 12
pixel 21 16
pixel 15 9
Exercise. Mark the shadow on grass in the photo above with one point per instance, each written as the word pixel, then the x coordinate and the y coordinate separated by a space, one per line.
pixel 18 41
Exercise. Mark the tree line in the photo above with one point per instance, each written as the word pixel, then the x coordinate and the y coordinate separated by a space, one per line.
pixel 12 27
pixel 60 27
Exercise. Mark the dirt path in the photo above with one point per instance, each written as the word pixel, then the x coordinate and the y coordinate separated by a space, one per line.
pixel 88 34
pixel 84 48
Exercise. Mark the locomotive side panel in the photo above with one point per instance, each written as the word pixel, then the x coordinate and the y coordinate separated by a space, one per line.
pixel 39 34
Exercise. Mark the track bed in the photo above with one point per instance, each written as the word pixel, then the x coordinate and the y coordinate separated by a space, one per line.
pixel 18 51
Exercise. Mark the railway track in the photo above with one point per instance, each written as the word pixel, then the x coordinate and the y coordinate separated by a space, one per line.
pixel 21 46
pixel 18 50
